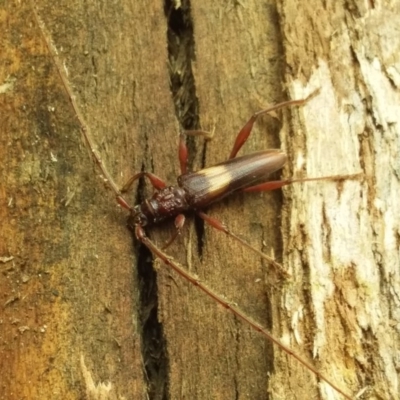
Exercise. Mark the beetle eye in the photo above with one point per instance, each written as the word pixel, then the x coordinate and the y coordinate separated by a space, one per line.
pixel 140 219
pixel 137 218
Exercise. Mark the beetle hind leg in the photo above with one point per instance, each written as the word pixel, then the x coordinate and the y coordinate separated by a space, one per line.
pixel 215 223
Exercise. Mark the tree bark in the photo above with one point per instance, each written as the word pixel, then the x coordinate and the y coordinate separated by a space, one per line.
pixel 84 314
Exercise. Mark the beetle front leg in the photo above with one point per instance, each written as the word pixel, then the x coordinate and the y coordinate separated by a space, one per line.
pixel 155 181
pixel 179 223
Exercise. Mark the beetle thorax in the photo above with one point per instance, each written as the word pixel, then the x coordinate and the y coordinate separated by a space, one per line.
pixel 165 203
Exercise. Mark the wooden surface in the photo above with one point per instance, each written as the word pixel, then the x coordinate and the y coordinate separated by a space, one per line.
pixel 82 313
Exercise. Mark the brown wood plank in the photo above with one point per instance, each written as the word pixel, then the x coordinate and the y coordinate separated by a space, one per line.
pixel 81 305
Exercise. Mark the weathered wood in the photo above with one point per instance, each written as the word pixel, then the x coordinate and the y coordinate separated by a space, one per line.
pixel 73 277
pixel 75 305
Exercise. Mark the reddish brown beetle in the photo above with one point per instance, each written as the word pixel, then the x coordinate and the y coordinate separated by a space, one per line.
pixel 197 190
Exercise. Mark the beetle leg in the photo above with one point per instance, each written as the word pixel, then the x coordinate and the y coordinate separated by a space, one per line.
pixel 155 181
pixel 244 133
pixel 183 150
pixel 183 154
pixel 215 223
pixel 272 185
pixel 179 222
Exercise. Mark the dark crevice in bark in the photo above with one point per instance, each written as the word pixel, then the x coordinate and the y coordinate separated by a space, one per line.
pixel 180 55
pixel 153 343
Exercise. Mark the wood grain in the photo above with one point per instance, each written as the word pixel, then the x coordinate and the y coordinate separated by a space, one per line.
pixel 83 315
